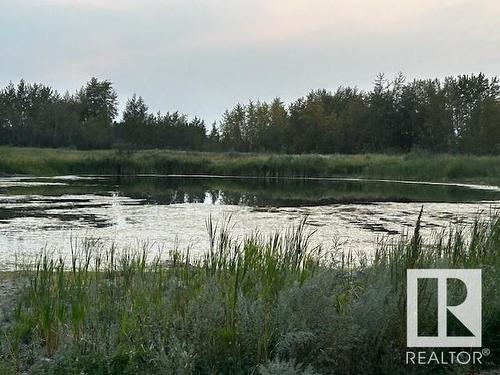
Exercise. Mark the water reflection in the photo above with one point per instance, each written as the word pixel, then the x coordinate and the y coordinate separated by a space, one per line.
pixel 251 192
pixel 35 212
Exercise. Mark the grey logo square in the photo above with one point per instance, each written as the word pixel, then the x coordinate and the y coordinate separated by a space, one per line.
pixel 468 312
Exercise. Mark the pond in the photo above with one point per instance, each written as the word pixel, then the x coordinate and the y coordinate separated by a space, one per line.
pixel 171 210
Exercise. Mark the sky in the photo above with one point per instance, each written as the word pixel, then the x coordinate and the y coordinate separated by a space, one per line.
pixel 203 56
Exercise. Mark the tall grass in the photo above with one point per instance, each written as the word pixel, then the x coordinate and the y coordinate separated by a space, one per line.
pixel 413 166
pixel 261 304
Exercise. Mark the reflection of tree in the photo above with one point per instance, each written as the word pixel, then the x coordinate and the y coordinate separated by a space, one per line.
pixel 214 195
pixel 259 192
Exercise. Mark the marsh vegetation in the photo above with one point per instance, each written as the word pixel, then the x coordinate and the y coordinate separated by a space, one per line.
pixel 413 166
pixel 265 304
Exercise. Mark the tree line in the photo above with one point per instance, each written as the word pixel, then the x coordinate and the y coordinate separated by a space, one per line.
pixel 457 114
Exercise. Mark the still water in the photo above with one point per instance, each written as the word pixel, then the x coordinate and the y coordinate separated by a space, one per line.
pixel 168 211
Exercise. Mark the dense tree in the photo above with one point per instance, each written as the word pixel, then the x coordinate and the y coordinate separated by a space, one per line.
pixel 352 119
pixel 36 115
pixel 276 132
pixel 488 128
pixel 136 121
pixel 98 104
pixel 213 141
pixel 457 114
pixel 233 127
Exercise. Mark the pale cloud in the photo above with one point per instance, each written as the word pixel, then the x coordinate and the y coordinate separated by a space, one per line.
pixel 265 21
pixel 99 4
pixel 201 56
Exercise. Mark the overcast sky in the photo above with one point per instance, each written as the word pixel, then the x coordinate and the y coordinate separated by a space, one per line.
pixel 202 56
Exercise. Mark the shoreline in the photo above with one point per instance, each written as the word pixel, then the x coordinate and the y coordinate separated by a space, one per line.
pixel 412 167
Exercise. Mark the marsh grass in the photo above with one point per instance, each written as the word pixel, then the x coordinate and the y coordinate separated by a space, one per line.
pixel 412 166
pixel 261 304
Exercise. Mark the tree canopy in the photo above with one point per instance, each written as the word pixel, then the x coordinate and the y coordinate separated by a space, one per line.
pixel 457 114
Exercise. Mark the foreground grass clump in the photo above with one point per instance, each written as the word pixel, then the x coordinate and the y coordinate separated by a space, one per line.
pixel 269 305
pixel 413 166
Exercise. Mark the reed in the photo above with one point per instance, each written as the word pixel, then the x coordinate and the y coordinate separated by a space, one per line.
pixel 261 304
pixel 412 166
